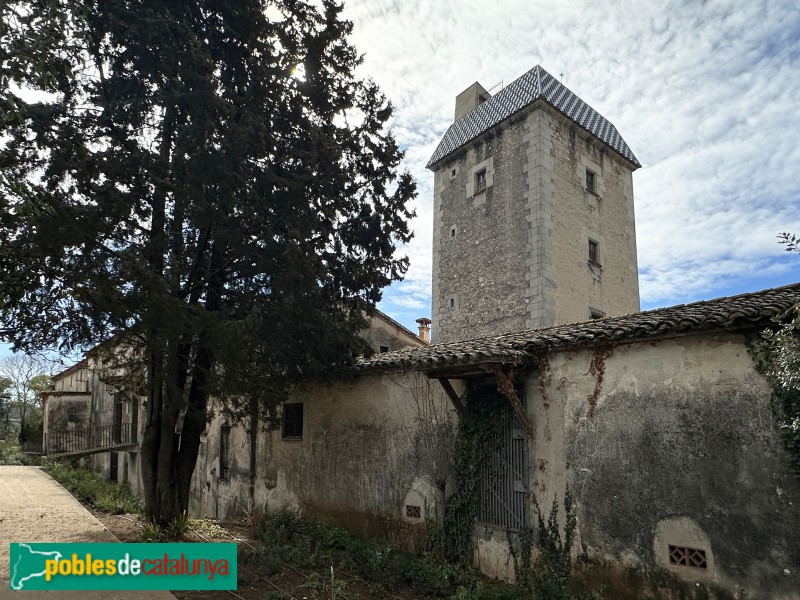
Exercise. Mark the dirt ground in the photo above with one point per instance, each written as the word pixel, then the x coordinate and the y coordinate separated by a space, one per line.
pixel 290 582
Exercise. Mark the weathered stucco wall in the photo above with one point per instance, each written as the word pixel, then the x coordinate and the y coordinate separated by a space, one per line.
pixel 681 449
pixel 362 458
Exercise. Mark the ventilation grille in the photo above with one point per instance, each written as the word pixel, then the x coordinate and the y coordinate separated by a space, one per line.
pixel 687 557
pixel 413 512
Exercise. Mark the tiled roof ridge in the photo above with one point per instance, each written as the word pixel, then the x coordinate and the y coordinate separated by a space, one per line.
pixel 536 83
pixel 725 312
pixel 397 325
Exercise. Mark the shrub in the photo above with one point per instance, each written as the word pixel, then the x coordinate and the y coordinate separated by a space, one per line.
pixel 91 489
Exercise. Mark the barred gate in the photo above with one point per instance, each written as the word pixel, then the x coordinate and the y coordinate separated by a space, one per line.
pixel 504 476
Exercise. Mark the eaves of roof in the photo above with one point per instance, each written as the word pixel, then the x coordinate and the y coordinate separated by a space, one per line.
pixel 534 85
pixel 729 313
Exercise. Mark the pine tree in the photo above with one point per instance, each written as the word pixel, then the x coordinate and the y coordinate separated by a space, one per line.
pixel 207 181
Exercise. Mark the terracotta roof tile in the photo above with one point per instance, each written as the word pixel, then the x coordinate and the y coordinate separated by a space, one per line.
pixel 723 313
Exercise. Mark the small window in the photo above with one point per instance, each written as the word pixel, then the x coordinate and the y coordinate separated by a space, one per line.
pixel 596 314
pixel 453 174
pixel 224 452
pixel 594 252
pixel 452 232
pixel 452 302
pixel 293 420
pixel 383 349
pixel 591 185
pixel 480 181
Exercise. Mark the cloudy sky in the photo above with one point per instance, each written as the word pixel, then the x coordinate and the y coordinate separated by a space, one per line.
pixel 707 94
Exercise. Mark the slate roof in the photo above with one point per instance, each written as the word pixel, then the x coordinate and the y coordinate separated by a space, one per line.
pixel 723 313
pixel 536 83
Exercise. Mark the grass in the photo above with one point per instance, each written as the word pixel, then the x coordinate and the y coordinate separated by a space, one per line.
pixel 12 454
pixel 88 487
pixel 290 538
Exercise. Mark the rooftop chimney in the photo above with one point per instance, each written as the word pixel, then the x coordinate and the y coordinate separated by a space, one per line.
pixel 470 99
pixel 424 329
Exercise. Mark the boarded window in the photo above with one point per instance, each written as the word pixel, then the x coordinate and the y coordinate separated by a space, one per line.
pixel 504 485
pixel 224 452
pixel 293 420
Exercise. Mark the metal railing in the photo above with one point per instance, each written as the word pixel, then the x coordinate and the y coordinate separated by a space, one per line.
pixel 90 439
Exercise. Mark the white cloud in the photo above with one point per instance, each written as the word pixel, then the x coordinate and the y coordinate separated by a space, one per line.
pixel 705 95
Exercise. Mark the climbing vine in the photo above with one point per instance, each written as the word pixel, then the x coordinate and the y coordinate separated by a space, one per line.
pixel 597 369
pixel 765 350
pixel 477 437
pixel 545 375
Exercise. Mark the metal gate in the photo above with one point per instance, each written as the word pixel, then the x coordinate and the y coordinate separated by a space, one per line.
pixel 504 476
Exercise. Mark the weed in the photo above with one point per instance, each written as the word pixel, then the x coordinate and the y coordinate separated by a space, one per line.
pixel 12 454
pixel 95 491
pixel 151 532
pixel 178 527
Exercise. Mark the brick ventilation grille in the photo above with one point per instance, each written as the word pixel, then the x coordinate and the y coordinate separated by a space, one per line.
pixel 413 512
pixel 687 557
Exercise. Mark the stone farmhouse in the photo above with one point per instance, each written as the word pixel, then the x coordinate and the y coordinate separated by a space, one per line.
pixel 658 422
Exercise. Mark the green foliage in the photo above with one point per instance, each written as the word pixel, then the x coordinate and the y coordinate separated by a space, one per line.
pixel 210 181
pixel 152 533
pixel 776 355
pixel 551 573
pixel 521 544
pixel 95 491
pixel 306 543
pixel 179 526
pixel 477 435
pixel 12 454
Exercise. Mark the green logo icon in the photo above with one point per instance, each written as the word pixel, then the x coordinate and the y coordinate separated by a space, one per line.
pixel 85 566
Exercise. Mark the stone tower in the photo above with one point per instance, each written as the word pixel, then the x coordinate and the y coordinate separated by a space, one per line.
pixel 533 213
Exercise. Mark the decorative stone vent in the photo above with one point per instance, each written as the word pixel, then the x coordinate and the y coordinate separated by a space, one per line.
pixel 413 512
pixel 687 557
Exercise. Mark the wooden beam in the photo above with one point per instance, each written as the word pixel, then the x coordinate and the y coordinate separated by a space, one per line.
pixel 505 384
pixel 451 393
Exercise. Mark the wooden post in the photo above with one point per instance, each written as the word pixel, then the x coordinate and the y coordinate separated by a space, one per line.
pixel 451 393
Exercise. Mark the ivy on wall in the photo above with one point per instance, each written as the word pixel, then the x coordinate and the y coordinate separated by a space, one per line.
pixel 766 351
pixel 477 437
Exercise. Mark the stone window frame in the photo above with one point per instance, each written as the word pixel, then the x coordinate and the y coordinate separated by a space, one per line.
pixel 596 313
pixel 584 166
pixel 292 421
pixel 592 236
pixel 488 166
pixel 591 182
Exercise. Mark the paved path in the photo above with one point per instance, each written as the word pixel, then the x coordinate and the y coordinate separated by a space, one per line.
pixel 35 508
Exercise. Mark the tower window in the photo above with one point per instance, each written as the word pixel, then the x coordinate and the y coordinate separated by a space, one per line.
pixel 480 181
pixel 293 420
pixel 452 174
pixel 452 232
pixel 452 302
pixel 594 252
pixel 591 185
